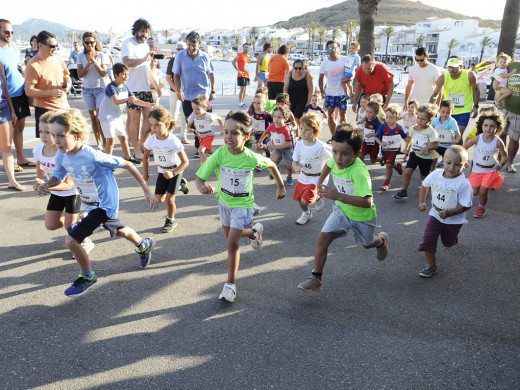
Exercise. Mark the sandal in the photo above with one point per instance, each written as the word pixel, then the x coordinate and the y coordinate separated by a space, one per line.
pixel 18 168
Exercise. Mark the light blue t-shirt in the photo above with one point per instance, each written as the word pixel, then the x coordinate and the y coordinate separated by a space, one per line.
pixel 194 74
pixel 108 110
pixel 10 57
pixel 449 124
pixel 351 64
pixel 91 172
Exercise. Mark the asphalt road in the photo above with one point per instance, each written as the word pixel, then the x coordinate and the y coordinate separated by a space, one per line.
pixel 376 325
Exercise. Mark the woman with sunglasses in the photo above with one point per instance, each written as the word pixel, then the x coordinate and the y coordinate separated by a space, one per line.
pixel 298 84
pixel 92 68
pixel 30 53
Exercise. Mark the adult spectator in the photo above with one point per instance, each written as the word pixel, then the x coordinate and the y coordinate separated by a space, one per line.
pixel 278 68
pixel 460 86
pixel 14 66
pixel 92 68
pixel 193 75
pixel 373 77
pixel 298 84
pixel 73 57
pixel 31 52
pixel 137 55
pixel 421 79
pixel 241 64
pixel 262 66
pixel 175 103
pixel 47 79
pixel 151 45
pixel 333 68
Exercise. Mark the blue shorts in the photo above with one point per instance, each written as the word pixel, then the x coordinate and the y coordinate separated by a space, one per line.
pixel 462 119
pixel 5 112
pixel 336 101
pixel 236 218
pixel 348 75
pixel 93 97
pixel 338 222
pixel 262 76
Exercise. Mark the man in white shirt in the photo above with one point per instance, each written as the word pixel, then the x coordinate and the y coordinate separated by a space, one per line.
pixel 421 79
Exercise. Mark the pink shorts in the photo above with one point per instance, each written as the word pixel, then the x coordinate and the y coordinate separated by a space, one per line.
pixel 307 192
pixel 206 141
pixel 486 180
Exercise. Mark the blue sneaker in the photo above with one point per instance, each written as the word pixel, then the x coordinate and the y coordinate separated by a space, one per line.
pixel 81 285
pixel 289 181
pixel 145 251
pixel 271 177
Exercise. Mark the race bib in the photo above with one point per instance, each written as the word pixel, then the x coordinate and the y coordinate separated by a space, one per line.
pixel 457 99
pixel 165 158
pixel 393 142
pixel 311 165
pixel 236 182
pixel 484 158
pixel 258 125
pixel 444 198
pixel 87 190
pixel 277 139
pixel 419 141
pixel 203 127
pixel 343 185
pixel 445 136
pixel 369 136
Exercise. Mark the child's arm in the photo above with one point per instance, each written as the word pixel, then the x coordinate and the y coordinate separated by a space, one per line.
pixel 65 185
pixel 294 124
pixel 138 102
pixel 458 136
pixel 324 114
pixel 380 143
pixel 431 146
pixel 146 161
pixel 150 198
pixel 422 198
pixel 182 166
pixel 456 211
pixel 472 142
pixel 221 124
pixel 327 192
pixel 43 188
pixel 408 144
pixel 324 173
pixel 190 127
pixel 507 75
pixel 204 188
pixel 260 143
pixel 280 192
pixel 297 168
pixel 503 154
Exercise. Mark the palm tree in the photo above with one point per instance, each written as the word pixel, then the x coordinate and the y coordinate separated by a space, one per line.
pixel 253 36
pixel 335 32
pixel 276 42
pixel 510 20
pixel 290 45
pixel 166 34
pixel 451 45
pixel 311 29
pixel 238 41
pixel 348 28
pixel 388 32
pixel 486 41
pixel 321 34
pixel 367 11
pixel 420 41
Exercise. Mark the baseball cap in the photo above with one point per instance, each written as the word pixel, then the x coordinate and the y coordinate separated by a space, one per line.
pixel 455 62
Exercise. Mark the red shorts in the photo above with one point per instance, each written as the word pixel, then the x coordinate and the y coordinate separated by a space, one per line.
pixel 307 192
pixel 371 150
pixel 486 180
pixel 206 141
pixel 389 157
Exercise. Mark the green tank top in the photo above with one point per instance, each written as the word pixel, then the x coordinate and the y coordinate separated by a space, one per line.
pixel 459 91
pixel 512 103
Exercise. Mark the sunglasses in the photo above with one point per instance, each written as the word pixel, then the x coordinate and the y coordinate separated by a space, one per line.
pixel 420 60
pixel 51 46
pixel 332 48
pixel 298 68
pixel 179 49
pixel 89 42
pixel 8 32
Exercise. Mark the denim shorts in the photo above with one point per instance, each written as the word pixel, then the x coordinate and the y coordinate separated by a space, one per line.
pixel 93 97
pixel 236 218
pixel 338 222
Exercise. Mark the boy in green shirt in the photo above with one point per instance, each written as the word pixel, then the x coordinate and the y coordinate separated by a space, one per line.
pixel 354 207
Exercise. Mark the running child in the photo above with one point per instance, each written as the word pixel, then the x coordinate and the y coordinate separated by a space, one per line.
pixel 388 136
pixel 354 208
pixel 281 143
pixel 171 159
pixel 409 118
pixel 372 123
pixel 202 121
pixel 451 198
pixel 447 129
pixel 501 75
pixel 92 174
pixel 352 62
pixel 117 94
pixel 282 100
pixel 315 107
pixel 262 119
pixel 309 157
pixel 234 167
pixel 485 171
pixel 378 98
pixel 424 145
pixel 362 111
pixel 270 104
pixel 64 197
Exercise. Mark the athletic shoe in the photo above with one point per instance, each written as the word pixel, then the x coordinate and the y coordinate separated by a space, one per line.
pixel 185 141
pixel 312 283
pixel 318 205
pixel 258 230
pixel 169 225
pixel 256 209
pixel 511 169
pixel 134 160
pixel 289 181
pixel 81 285
pixel 88 245
pixel 196 155
pixel 430 270
pixel 184 186
pixel 385 186
pixel 480 213
pixel 229 293
pixel 405 158
pixel 271 177
pixel 304 218
pixel 399 168
pixel 402 194
pixel 382 251
pixel 145 251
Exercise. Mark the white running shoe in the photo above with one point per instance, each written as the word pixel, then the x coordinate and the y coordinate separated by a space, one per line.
pixel 229 293
pixel 318 205
pixel 88 245
pixel 256 243
pixel 256 209
pixel 304 218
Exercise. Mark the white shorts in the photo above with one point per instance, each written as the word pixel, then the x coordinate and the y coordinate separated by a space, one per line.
pixel 338 222
pixel 113 129
pixel 237 218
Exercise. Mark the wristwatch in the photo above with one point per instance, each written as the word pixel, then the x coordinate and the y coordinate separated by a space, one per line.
pixel 213 92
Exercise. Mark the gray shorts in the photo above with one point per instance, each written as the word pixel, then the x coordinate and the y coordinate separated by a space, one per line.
pixel 513 126
pixel 286 154
pixel 338 222
pixel 236 218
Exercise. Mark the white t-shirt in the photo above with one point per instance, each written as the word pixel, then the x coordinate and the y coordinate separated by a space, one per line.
pixel 448 194
pixel 485 155
pixel 165 152
pixel 502 83
pixel 312 159
pixel 92 79
pixel 334 71
pixel 47 164
pixel 203 127
pixel 423 82
pixel 138 76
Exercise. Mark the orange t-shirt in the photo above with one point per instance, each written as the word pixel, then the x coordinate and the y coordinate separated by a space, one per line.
pixel 242 64
pixel 278 67
pixel 45 75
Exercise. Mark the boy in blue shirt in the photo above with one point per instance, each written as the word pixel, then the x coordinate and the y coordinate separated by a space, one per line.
pixel 447 129
pixel 351 64
pixel 372 123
